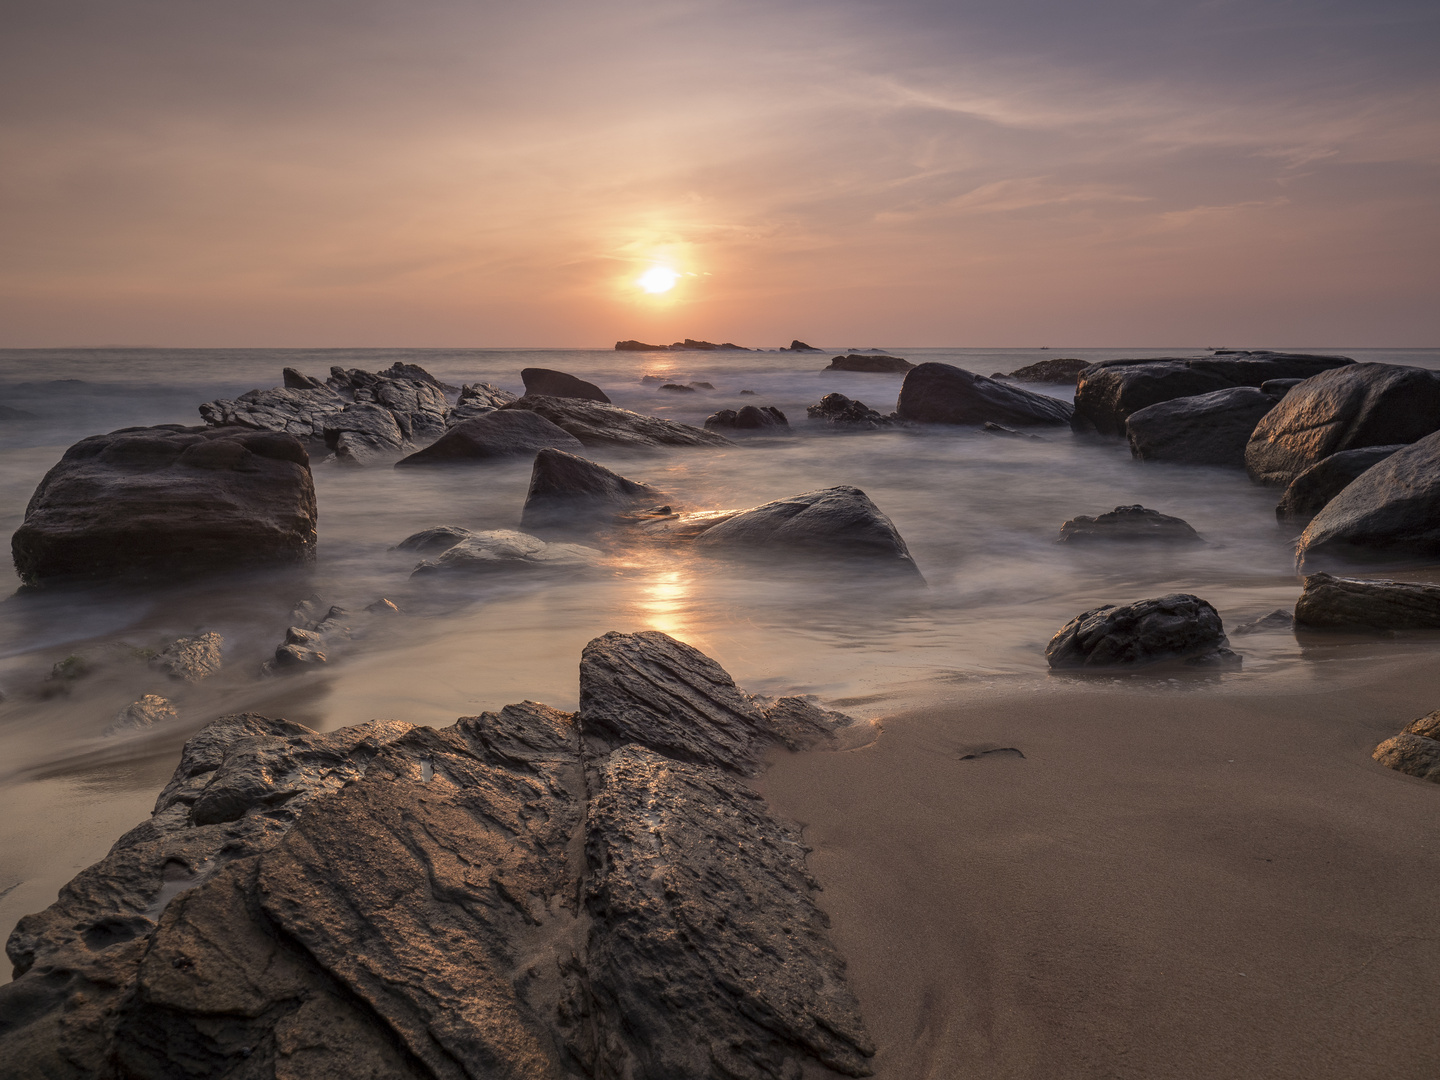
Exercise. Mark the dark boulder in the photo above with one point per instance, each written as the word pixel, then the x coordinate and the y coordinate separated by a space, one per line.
pixel 1061 371
pixel 294 380
pixel 862 362
pixel 597 424
pixel 1337 603
pixel 1344 409
pixel 1128 523
pixel 566 490
pixel 748 418
pixel 1175 627
pixel 1208 429
pixel 691 345
pixel 1312 490
pixel 678 388
pixel 840 411
pixel 499 434
pixel 559 384
pixel 159 502
pixel 638 346
pixel 945 394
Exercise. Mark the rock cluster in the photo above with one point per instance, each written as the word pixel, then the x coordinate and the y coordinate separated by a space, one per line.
pixel 477 399
pixel 945 394
pixel 840 411
pixel 1175 627
pixel 747 418
pixel 1128 523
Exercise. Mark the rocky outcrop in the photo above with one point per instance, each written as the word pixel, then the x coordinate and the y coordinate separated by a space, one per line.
pixel 945 394
pixel 1175 627
pixel 502 433
pixel 1128 523
pixel 160 502
pixel 560 385
pixel 873 363
pixel 1390 510
pixel 569 490
pixel 190 659
pixel 637 346
pixel 1338 603
pixel 1208 429
pixel 1061 371
pixel 1312 490
pixel 799 346
pixel 691 345
pixel 747 418
pixel 506 549
pixel 1109 391
pixel 597 424
pixel 840 411
pixel 1344 409
pixel 1416 750
pixel 477 399
pixel 526 893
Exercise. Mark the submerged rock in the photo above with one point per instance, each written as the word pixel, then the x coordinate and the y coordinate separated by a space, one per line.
pixel 748 418
pixel 871 362
pixel 1416 750
pixel 840 411
pixel 597 424
pixel 1208 429
pixel 1128 523
pixel 1175 627
pixel 1337 603
pixel 503 549
pixel 433 541
pixel 1312 490
pixel 559 384
pixel 566 489
pixel 190 658
pixel 500 434
pixel 945 394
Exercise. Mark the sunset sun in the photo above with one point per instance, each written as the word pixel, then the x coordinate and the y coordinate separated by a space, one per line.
pixel 657 279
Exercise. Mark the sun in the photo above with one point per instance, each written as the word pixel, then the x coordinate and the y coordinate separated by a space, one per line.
pixel 657 279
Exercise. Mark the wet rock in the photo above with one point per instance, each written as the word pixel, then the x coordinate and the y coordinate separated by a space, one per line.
pixel 1279 619
pixel 1128 523
pixel 1338 603
pixel 596 424
pixel 150 710
pixel 560 385
pixel 841 411
pixel 862 362
pixel 1414 755
pixel 1343 409
pixel 500 434
pixel 506 549
pixel 1208 429
pixel 945 394
pixel 160 502
pixel 1312 490
pixel 1060 371
pixel 991 428
pixel 748 418
pixel 1174 627
pixel 566 490
pixel 433 541
pixel 311 643
pixel 638 346
pixel 190 658
pixel 678 388
pixel 477 399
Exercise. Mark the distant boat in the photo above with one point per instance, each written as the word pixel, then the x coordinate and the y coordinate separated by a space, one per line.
pixel 1044 348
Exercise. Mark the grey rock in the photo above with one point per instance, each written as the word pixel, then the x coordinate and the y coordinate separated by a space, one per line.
pixel 433 541
pixel 568 490
pixel 500 434
pixel 1128 523
pixel 150 710
pixel 507 549
pixel 363 434
pixel 944 394
pixel 1173 627
pixel 294 380
pixel 862 362
pixel 301 411
pixel 992 428
pixel 190 658
pixel 1338 603
pixel 677 388
pixel 559 384
pixel 1208 429
pixel 1312 490
pixel 840 411
pixel 1416 750
pixel 596 424
pixel 477 399
pixel 747 418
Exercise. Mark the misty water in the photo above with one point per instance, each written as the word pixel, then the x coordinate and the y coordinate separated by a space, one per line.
pixel 979 512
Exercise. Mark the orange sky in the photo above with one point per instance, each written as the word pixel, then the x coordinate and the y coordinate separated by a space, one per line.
pixel 478 174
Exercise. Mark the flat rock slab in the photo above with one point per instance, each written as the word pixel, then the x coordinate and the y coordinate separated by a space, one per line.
pixel 1175 627
pixel 1128 524
pixel 1339 603
pixel 1312 490
pixel 497 434
pixel 1208 429
pixel 593 423
pixel 560 384
pixel 944 394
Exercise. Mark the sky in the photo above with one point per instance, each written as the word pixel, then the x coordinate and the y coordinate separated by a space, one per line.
pixel 1088 173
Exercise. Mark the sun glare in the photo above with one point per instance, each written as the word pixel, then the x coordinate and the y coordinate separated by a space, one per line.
pixel 657 279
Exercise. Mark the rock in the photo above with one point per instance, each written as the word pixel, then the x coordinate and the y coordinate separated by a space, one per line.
pixel 1411 754
pixel 799 346
pixel 294 380
pixel 945 394
pixel 1337 603
pixel 565 490
pixel 559 384
pixel 597 424
pixel 1390 510
pixel 1059 371
pixel 301 411
pixel 860 362
pixel 433 541
pixel 1107 393
pixel 160 502
pixel 691 345
pixel 638 346
pixel 679 388
pixel 1178 626
pixel 363 434
pixel 1278 388
pixel 1343 409
pixel 313 643
pixel 504 549
pixel 701 386
pixel 477 399
pixel 991 428
pixel 1128 523
pixel 190 659
pixel 1312 490
pixel 1208 429
pixel 1279 619
pixel 500 434
pixel 150 710
pixel 744 392
pixel 415 373
pixel 839 411
pixel 749 418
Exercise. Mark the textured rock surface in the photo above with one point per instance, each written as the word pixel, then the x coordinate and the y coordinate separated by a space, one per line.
pixel 869 362
pixel 154 503
pixel 1344 409
pixel 565 489
pixel 507 549
pixel 559 384
pixel 1208 429
pixel 748 418
pixel 150 710
pixel 1128 523
pixel 190 659
pixel 1178 626
pixel 597 424
pixel 1312 490
pixel 1061 371
pixel 1416 750
pixel 499 434
pixel 315 638
pixel 945 394
pixel 477 399
pixel 841 411
pixel 1337 603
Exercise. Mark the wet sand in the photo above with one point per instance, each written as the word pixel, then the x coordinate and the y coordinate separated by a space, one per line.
pixel 1172 882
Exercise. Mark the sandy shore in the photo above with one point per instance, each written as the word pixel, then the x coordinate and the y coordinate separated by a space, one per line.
pixel 1170 883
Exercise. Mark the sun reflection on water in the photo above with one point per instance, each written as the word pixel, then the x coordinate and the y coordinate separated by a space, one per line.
pixel 662 601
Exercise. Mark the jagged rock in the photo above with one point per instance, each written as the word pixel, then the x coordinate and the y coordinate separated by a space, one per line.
pixel 1416 750
pixel 841 411
pixel 503 549
pixel 748 418
pixel 944 394
pixel 301 411
pixel 799 346
pixel 477 399
pixel 638 346
pixel 862 362
pixel 1107 392
pixel 1126 523
pixel 1312 490
pixel 597 424
pixel 1060 371
pixel 1337 603
pixel 1344 409
pixel 415 373
pixel 500 434
pixel 190 658
pixel 294 380
pixel 150 710
pixel 565 490
pixel 559 384
pixel 1390 510
pixel 1208 429
pixel 159 502
pixel 313 643
pixel 433 541
pixel 1178 626
pixel 678 388
pixel 363 434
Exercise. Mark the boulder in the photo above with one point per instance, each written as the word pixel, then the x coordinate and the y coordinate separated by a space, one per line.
pixel 1312 490
pixel 160 502
pixel 433 541
pixel 1391 510
pixel 300 411
pixel 559 384
pixel 597 424
pixel 1416 750
pixel 190 659
pixel 1175 627
pixel 1337 603
pixel 1107 392
pixel 799 346
pixel 1128 523
pixel 637 346
pixel 945 394
pixel 499 434
pixel 1208 429
pixel 363 433
pixel 1343 409
pixel 840 411
pixel 1061 371
pixel 140 715
pixel 992 428
pixel 477 399
pixel 748 418
pixel 862 362
pixel 566 490
pixel 506 549
pixel 294 380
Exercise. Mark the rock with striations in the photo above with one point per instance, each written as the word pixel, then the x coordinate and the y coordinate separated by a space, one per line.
pixel 1175 627
pixel 1126 524
pixel 1312 490
pixel 842 412
pixel 1061 371
pixel 502 433
pixel 1391 510
pixel 506 550
pixel 1339 603
pixel 570 490
pixel 159 502
pixel 477 399
pixel 862 362
pixel 596 424
pixel 1208 429
pixel 1344 409
pixel 559 384
pixel 945 394
pixel 1107 392
pixel 1416 750
pixel 747 418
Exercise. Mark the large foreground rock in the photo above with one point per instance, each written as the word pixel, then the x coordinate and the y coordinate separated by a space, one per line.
pixel 1312 490
pixel 1416 750
pixel 1338 603
pixel 1127 524
pixel 155 503
pixel 559 384
pixel 568 490
pixel 525 894
pixel 1344 409
pixel 596 424
pixel 1208 429
pixel 945 394
pixel 1178 626
pixel 500 433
